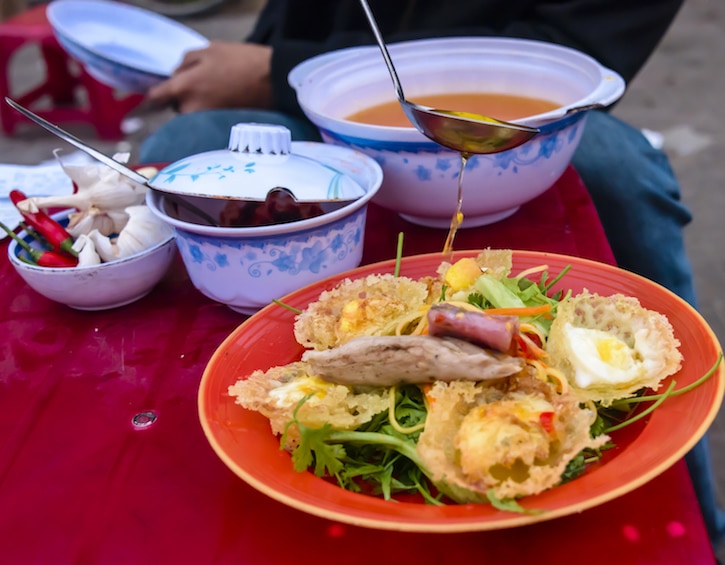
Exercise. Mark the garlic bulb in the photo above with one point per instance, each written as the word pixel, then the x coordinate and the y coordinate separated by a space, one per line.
pixel 103 245
pixel 107 222
pixel 86 249
pixel 97 185
pixel 143 230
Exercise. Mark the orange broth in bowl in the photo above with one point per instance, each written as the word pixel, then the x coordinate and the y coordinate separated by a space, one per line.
pixel 505 107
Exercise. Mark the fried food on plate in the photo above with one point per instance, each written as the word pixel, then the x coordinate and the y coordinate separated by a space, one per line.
pixel 367 306
pixel 609 347
pixel 516 438
pixel 276 393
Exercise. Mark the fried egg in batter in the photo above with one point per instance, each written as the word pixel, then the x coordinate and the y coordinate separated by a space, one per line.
pixel 515 439
pixel 609 347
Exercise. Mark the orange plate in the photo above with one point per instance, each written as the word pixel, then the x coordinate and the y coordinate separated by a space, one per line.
pixel 243 439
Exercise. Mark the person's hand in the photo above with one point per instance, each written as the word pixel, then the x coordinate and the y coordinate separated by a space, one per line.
pixel 222 75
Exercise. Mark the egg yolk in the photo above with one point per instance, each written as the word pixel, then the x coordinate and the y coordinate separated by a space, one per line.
pixel 613 351
pixel 289 394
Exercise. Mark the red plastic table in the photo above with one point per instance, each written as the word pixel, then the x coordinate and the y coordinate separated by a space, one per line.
pixel 81 484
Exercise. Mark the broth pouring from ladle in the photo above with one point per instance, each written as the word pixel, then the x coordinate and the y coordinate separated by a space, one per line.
pixel 464 132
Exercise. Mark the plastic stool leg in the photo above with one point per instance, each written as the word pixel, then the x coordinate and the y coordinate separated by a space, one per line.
pixel 8 119
pixel 107 111
pixel 103 110
pixel 61 84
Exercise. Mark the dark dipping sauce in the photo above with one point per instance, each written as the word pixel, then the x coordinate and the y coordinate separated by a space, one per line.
pixel 280 207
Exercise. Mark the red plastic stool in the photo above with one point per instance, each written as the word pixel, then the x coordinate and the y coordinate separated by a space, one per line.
pixel 102 108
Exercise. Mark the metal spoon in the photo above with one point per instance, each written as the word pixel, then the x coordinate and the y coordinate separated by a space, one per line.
pixel 460 131
pixel 73 140
pixel 106 160
pixel 140 179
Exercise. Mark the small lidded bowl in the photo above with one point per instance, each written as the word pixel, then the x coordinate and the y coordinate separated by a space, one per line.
pixel 267 215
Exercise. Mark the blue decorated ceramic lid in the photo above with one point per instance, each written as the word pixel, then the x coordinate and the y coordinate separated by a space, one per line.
pixel 259 158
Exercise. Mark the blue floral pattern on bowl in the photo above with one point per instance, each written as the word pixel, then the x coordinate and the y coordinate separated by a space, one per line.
pixel 421 177
pixel 257 270
pixel 553 139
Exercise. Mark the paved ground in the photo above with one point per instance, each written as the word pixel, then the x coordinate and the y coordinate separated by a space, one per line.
pixel 678 96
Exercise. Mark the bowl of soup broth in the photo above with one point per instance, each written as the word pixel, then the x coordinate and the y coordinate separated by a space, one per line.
pixel 349 96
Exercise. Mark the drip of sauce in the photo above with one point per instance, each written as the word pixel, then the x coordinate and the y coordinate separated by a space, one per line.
pixel 458 214
pixel 503 106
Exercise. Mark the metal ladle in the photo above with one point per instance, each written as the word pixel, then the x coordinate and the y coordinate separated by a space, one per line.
pixel 464 132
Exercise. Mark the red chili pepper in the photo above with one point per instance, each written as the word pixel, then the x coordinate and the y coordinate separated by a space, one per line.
pixel 529 350
pixel 42 258
pixel 55 259
pixel 546 419
pixel 52 231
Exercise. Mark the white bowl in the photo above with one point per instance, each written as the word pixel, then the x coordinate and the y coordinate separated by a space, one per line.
pixel 121 45
pixel 96 287
pixel 248 267
pixel 421 177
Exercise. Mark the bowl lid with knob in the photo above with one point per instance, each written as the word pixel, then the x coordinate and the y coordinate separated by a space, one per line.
pixel 259 158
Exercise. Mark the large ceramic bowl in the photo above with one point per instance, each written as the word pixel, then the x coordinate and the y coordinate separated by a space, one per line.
pixel 421 177
pixel 121 45
pixel 96 287
pixel 246 268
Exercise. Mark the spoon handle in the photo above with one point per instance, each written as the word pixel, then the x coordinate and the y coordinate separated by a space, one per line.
pixel 65 136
